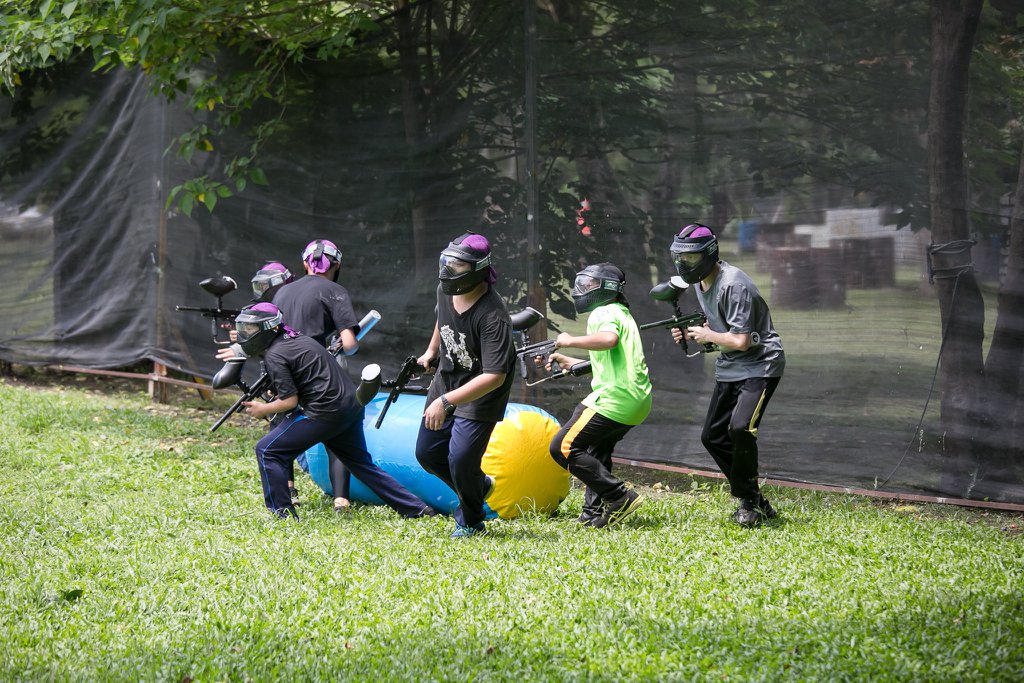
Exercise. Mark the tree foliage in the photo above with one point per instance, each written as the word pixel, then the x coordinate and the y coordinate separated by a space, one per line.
pixel 175 42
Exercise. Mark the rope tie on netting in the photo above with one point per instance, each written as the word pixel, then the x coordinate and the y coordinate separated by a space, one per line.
pixel 947 249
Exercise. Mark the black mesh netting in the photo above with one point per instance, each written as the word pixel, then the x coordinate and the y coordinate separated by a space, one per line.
pixel 797 150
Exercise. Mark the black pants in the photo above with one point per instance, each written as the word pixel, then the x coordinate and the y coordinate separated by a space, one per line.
pixel 730 430
pixel 584 446
pixel 343 438
pixel 453 454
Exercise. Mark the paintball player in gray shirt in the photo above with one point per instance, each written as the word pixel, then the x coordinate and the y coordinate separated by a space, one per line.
pixel 747 371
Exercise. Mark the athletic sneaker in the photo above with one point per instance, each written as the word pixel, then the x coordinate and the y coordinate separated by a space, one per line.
pixel 753 511
pixel 467 531
pixel 489 486
pixel 620 509
pixel 588 517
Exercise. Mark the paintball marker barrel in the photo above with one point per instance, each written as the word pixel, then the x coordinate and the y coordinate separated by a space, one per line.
pixel 575 370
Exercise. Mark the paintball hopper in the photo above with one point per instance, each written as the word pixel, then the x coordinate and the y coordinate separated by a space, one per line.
pixel 369 384
pixel 525 319
pixel 219 286
pixel 230 374
pixel 669 291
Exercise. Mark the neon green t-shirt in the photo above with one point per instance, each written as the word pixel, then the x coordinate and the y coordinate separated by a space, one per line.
pixel 621 385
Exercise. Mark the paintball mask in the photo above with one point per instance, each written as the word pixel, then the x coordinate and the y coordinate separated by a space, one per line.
pixel 257 326
pixel 320 255
pixel 598 285
pixel 465 263
pixel 271 275
pixel 694 252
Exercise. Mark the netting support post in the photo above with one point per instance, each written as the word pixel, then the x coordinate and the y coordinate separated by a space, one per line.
pixel 159 391
pixel 535 295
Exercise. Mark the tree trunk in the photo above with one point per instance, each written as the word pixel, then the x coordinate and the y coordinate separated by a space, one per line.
pixel 953 27
pixel 412 118
pixel 662 354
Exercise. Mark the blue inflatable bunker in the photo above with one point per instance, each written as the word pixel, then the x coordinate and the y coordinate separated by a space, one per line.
pixel 526 477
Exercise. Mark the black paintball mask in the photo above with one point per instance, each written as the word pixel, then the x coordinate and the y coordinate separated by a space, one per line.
pixel 598 285
pixel 694 252
pixel 464 264
pixel 257 326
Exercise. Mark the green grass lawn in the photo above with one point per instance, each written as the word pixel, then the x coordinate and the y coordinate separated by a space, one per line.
pixel 136 547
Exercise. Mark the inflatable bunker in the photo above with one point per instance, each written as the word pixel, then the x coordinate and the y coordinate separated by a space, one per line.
pixel 526 478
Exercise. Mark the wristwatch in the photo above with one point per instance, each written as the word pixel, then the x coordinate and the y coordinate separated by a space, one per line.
pixel 449 408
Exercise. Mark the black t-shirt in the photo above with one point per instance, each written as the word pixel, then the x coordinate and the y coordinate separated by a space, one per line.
pixel 300 366
pixel 316 307
pixel 478 341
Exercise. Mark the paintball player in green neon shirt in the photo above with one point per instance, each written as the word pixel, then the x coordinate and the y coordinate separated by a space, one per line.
pixel 620 398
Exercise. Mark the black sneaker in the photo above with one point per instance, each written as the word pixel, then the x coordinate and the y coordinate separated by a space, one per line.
pixel 588 517
pixel 620 509
pixel 294 495
pixel 753 511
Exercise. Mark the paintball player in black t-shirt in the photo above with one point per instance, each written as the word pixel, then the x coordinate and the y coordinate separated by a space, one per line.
pixel 303 373
pixel 472 344
pixel 319 307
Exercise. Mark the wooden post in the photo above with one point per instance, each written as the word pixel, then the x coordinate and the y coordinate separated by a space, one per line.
pixel 159 391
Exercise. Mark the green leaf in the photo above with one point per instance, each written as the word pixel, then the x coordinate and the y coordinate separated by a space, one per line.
pixel 210 199
pixel 43 51
pixel 69 8
pixel 44 9
pixel 257 176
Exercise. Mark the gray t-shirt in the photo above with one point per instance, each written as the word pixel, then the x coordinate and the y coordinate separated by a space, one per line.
pixel 734 304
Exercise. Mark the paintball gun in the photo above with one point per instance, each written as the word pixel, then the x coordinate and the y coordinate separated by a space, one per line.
pixel 218 286
pixel 370 382
pixel 231 374
pixel 670 292
pixel 543 349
